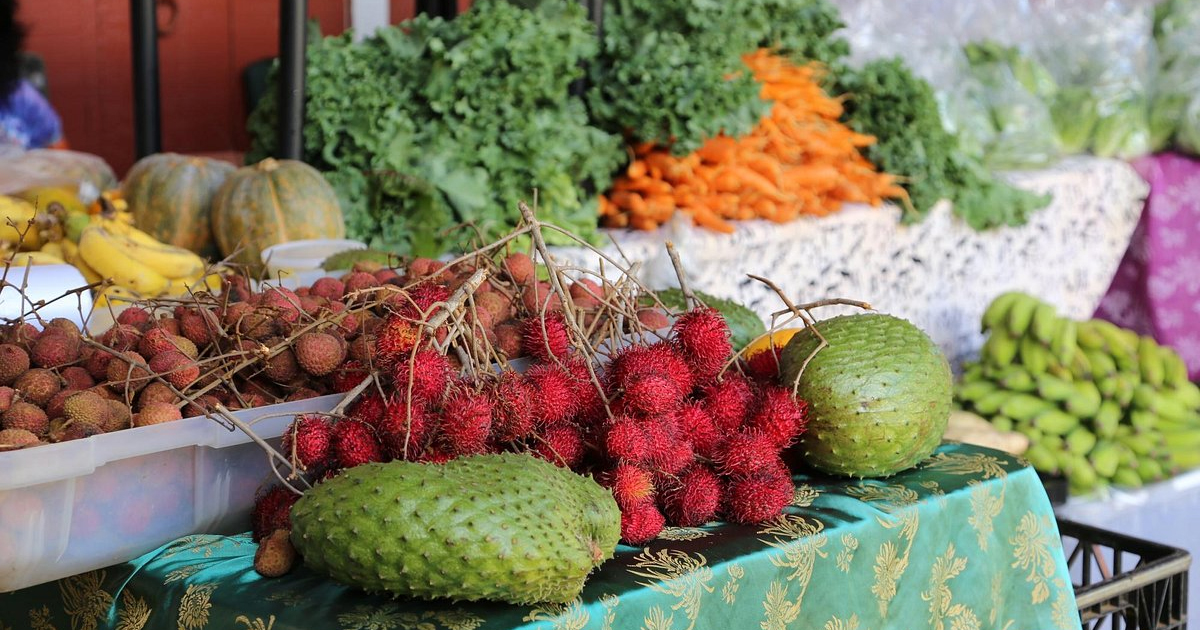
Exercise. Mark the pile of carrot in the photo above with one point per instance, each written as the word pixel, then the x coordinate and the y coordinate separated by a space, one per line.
pixel 797 161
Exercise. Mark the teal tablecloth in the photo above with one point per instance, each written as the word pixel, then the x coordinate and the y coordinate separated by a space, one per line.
pixel 966 541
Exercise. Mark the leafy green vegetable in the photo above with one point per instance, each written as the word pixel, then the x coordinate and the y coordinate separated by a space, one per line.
pixel 886 100
pixel 434 123
pixel 670 71
pixel 1124 133
pixel 1074 112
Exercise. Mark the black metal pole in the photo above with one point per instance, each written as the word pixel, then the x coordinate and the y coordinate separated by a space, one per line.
pixel 147 121
pixel 438 8
pixel 293 15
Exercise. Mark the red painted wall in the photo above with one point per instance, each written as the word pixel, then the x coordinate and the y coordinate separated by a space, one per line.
pixel 86 47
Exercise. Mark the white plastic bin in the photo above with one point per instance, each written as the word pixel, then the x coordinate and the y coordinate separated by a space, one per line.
pixel 86 504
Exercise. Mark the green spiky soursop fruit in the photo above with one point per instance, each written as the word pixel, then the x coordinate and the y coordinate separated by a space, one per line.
pixel 879 394
pixel 506 527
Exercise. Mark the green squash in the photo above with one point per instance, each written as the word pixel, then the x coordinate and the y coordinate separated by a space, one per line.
pixel 171 198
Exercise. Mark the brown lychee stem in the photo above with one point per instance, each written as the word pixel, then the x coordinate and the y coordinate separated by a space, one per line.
pixel 808 306
pixel 690 300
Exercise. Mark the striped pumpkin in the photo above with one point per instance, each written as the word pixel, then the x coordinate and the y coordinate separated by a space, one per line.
pixel 170 196
pixel 272 202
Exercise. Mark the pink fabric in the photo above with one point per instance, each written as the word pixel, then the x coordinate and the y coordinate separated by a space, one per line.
pixel 1156 290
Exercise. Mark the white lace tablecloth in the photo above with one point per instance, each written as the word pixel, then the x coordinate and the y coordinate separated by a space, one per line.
pixel 939 274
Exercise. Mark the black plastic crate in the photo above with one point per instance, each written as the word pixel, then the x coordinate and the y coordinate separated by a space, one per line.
pixel 1125 583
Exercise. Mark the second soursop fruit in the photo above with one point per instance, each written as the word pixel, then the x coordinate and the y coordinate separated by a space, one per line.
pixel 506 527
pixel 879 394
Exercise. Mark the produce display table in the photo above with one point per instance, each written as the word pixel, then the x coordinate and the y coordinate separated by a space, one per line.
pixel 939 274
pixel 967 540
pixel 1161 512
pixel 1156 290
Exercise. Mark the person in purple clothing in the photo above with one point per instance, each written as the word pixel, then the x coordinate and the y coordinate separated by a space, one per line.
pixel 27 119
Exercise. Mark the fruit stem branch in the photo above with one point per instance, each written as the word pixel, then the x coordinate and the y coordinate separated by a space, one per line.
pixel 690 300
pixel 272 455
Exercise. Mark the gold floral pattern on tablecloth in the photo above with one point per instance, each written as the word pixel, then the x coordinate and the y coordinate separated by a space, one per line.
pixel 257 623
pixel 1033 550
pixel 455 619
pixel 837 624
pixel 195 606
pixel 182 573
pixel 676 573
pixel 980 465
pixel 898 503
pixel 570 616
pixel 657 619
pixel 610 603
pixel 985 507
pixel 287 598
pixel 200 544
pixel 804 495
pixel 133 613
pixel 730 589
pixel 39 619
pixel 780 610
pixel 846 555
pixel 85 600
pixel 801 540
pixel 941 597
pixel 385 617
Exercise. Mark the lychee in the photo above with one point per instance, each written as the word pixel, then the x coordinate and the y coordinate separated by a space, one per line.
pixel 283 367
pixel 121 337
pixel 508 339
pixel 780 415
pixel 758 497
pixel 38 386
pixel 429 373
pixel 545 337
pixel 355 443
pixel 156 413
pixel 553 392
pixel 23 415
pixel 319 353
pixel 96 364
pixel 55 348
pixel 308 442
pixel 302 393
pixel 202 405
pixel 499 306
pixel 653 318
pixel 539 297
pixel 175 368
pixel 14 361
pixel 54 408
pixel 519 267
pixel 199 326
pixel 8 396
pixel 156 392
pixel 272 511
pixel 466 423
pixel 117 417
pixel 13 439
pixel 632 486
pixel 641 524
pixel 134 316
pixel 284 303
pixel 561 445
pixel 358 285
pixel 75 377
pixel 694 499
pixel 70 430
pixel 362 348
pixel 328 287
pixel 702 336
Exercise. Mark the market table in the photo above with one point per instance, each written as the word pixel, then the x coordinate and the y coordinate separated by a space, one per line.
pixel 939 274
pixel 965 541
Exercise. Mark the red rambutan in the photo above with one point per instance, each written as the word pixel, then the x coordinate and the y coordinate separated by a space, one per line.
pixel 728 401
pixel 466 423
pixel 395 339
pixel 545 338
pixel 561 445
pixel 641 524
pixel 649 395
pixel 590 405
pixel 308 442
pixel 669 453
pixel 694 499
pixel 348 376
pixel 659 358
pixel 427 294
pixel 696 426
pixel 369 408
pixel 512 408
pixel 781 416
pixel 435 455
pixel 355 443
pixel 553 392
pixel 747 452
pixel 702 337
pixel 272 511
pixel 403 430
pixel 631 485
pixel 626 441
pixel 763 366
pixel 429 372
pixel 758 497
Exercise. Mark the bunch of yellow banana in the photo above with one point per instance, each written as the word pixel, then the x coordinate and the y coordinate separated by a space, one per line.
pixel 1099 403
pixel 138 262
